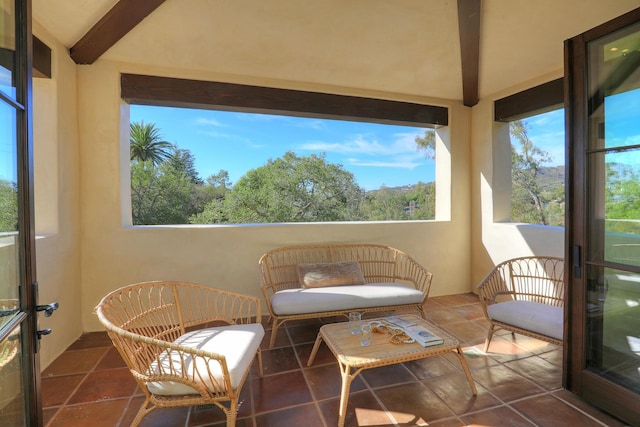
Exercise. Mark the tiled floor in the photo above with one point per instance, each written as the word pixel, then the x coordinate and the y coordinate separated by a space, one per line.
pixel 519 384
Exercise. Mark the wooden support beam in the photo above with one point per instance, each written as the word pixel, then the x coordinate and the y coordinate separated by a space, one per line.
pixel 469 28
pixel 152 90
pixel 121 19
pixel 41 59
pixel 536 100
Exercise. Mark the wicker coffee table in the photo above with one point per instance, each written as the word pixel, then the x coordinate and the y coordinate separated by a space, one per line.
pixel 354 358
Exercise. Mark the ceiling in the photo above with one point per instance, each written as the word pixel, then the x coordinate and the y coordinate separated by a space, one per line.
pixel 408 47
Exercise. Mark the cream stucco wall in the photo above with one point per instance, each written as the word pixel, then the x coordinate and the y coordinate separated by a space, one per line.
pixel 87 249
pixel 495 239
pixel 90 250
pixel 57 200
pixel 114 255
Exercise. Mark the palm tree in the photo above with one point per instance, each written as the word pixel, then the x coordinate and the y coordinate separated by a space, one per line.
pixel 146 144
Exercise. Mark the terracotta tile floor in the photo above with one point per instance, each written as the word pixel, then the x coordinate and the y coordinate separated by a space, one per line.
pixel 519 384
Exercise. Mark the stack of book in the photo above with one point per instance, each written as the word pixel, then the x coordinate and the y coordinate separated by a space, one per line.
pixel 419 333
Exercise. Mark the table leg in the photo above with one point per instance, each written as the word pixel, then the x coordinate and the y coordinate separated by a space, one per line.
pixel 467 372
pixel 312 356
pixel 344 393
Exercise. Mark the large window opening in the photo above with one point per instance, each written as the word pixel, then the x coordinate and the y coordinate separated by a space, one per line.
pixel 537 169
pixel 192 165
pixel 535 121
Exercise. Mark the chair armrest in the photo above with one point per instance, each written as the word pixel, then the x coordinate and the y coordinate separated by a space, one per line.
pixel 410 270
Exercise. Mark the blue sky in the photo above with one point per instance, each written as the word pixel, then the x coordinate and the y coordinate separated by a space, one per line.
pixel 376 154
pixel 237 142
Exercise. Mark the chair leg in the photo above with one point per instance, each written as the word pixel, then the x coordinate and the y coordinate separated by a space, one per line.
pixel 487 341
pixel 232 413
pixel 260 370
pixel 144 410
pixel 274 331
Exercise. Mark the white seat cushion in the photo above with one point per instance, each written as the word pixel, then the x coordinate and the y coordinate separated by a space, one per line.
pixel 336 298
pixel 532 316
pixel 238 343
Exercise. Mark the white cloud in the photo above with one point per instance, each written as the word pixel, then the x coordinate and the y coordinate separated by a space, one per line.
pixel 401 152
pixel 402 144
pixel 209 122
pixel 380 164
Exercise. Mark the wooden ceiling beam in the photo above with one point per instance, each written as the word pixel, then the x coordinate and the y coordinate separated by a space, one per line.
pixel 153 90
pixel 469 28
pixel 121 19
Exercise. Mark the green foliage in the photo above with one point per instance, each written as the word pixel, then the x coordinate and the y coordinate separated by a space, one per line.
pixel 427 143
pixel 289 189
pixel 535 200
pixel 415 202
pixel 166 189
pixel 146 144
pixel 159 195
pixel 165 186
pixel 622 199
pixel 8 206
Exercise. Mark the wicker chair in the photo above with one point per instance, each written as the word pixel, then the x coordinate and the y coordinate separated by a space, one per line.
pixel 185 344
pixel 525 296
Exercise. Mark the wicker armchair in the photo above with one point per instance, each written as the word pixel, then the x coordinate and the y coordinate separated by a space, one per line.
pixel 185 344
pixel 525 296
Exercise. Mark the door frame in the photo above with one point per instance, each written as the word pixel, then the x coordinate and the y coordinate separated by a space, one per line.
pixel 609 396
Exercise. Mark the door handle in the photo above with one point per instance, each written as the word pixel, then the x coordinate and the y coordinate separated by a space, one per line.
pixel 48 308
pixel 43 332
pixel 577 261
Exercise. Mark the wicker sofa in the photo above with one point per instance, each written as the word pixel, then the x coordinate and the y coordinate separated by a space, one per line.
pixel 525 296
pixel 391 280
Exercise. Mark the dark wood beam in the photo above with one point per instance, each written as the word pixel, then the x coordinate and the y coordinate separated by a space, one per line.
pixel 41 59
pixel 469 28
pixel 121 19
pixel 537 100
pixel 152 90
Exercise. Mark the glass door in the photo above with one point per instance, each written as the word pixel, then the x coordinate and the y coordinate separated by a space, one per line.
pixel 19 368
pixel 604 219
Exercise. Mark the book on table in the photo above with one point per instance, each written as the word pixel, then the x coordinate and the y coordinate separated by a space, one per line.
pixel 421 334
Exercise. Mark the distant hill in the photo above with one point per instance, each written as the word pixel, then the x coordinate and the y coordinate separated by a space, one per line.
pixel 551 175
pixel 548 176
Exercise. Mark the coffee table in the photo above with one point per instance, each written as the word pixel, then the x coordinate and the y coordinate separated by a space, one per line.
pixel 354 358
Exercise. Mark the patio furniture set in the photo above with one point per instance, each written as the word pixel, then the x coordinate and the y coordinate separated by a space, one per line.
pixel 188 344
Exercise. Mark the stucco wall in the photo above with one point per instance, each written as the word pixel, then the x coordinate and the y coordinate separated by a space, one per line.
pixel 87 249
pixel 57 200
pixel 114 255
pixel 495 239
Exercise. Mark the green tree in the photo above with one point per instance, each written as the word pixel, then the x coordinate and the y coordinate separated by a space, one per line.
pixel 289 189
pixel 383 204
pixel 146 144
pixel 183 160
pixel 622 199
pixel 413 203
pixel 159 195
pixel 528 202
pixel 427 143
pixel 8 206
pixel 216 189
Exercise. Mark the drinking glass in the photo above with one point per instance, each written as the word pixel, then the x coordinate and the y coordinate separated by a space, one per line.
pixel 354 322
pixel 365 334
